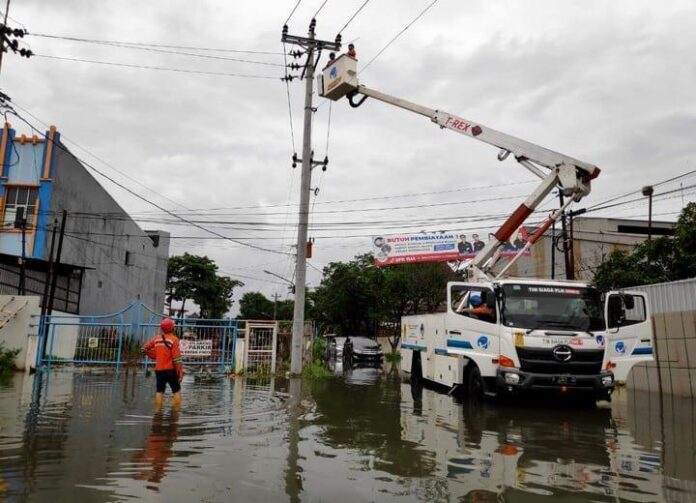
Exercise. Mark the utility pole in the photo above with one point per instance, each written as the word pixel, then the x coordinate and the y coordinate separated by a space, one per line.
pixel 276 296
pixel 2 35
pixel 564 231
pixel 572 215
pixel 21 223
pixel 312 48
pixel 61 235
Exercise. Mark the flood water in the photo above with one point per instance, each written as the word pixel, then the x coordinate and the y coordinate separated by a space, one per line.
pixel 366 436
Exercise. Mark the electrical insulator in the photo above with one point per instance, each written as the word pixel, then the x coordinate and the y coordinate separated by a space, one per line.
pixel 309 248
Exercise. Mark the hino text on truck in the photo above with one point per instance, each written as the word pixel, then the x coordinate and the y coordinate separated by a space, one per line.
pixel 504 336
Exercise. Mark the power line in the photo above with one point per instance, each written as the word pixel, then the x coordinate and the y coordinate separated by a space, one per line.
pixel 158 68
pixel 293 11
pixel 663 182
pixel 320 8
pixel 287 88
pixel 132 192
pixel 642 198
pixel 377 198
pixel 399 34
pixel 189 54
pixel 63 137
pixel 142 44
pixel 353 16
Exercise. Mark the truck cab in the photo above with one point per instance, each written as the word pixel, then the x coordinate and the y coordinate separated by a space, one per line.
pixel 512 336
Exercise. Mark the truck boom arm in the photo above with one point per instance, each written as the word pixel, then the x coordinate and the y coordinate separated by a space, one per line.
pixel 572 176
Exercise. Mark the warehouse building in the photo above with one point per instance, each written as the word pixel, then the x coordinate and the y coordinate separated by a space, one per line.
pixel 107 261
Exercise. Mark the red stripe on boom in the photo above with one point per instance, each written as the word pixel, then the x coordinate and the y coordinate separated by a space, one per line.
pixel 540 231
pixel 512 223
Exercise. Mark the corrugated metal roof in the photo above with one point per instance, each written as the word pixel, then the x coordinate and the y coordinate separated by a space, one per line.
pixel 672 297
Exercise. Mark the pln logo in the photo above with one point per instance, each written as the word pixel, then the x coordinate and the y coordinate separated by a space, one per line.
pixel 620 347
pixel 333 73
pixel 482 342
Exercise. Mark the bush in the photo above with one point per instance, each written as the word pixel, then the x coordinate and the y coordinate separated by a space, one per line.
pixel 318 349
pixel 393 356
pixel 7 358
pixel 316 370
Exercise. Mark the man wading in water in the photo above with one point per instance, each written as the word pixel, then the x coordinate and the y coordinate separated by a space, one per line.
pixel 164 349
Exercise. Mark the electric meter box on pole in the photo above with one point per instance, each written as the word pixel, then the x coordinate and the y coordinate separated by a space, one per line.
pixel 338 78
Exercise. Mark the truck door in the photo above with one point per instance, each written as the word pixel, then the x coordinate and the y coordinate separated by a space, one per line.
pixel 629 331
pixel 473 331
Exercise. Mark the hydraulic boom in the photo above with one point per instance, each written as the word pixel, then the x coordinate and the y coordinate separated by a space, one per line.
pixel 570 175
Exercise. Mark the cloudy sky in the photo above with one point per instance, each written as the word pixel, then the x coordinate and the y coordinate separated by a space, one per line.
pixel 610 83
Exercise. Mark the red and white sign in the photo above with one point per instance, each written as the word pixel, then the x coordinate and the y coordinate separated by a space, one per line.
pixel 196 348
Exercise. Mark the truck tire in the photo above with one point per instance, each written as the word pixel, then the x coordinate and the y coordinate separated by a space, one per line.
pixel 416 368
pixel 475 387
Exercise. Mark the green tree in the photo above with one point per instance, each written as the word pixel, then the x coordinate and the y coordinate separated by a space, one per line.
pixel 255 306
pixel 192 277
pixel 666 258
pixel 357 298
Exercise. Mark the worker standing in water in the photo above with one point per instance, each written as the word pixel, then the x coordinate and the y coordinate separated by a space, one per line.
pixel 164 349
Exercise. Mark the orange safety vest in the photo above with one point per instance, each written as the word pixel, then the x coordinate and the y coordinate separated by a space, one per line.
pixel 164 349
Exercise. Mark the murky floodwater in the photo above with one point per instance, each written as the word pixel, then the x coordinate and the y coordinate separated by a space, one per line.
pixel 366 437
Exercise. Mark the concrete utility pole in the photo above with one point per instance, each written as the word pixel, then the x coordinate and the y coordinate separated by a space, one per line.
pixel 2 36
pixel 276 296
pixel 311 46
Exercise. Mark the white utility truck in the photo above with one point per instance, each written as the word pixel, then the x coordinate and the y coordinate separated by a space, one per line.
pixel 505 336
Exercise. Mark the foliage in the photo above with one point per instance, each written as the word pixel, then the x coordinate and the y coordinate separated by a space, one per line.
pixel 192 277
pixel 665 258
pixel 316 371
pixel 393 356
pixel 318 349
pixel 7 358
pixel 357 298
pixel 256 306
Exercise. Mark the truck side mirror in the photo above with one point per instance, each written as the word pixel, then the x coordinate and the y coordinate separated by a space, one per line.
pixel 616 312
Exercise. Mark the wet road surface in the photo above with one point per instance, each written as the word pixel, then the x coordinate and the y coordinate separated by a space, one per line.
pixel 366 436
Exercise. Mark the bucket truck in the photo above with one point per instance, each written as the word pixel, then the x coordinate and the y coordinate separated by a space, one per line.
pixel 508 336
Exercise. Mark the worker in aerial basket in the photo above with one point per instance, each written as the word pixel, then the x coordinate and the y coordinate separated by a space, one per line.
pixel 164 349
pixel 351 51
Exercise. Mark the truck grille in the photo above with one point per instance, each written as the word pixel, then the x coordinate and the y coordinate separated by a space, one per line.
pixel 543 361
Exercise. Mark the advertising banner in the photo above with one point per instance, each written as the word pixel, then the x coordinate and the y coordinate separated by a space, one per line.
pixel 435 247
pixel 196 348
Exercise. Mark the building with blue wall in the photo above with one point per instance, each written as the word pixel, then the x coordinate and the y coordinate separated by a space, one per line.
pixel 107 260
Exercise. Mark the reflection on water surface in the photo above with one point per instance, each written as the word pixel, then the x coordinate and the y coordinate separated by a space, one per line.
pixel 362 436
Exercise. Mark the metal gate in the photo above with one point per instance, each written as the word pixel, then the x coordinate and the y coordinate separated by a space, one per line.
pixel 116 339
pixel 260 347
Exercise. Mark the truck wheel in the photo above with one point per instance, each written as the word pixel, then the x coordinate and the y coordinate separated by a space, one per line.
pixel 474 383
pixel 416 368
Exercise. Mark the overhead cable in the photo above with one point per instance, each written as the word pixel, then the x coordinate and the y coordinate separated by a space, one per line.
pixel 292 11
pixel 159 68
pixel 422 13
pixel 142 44
pixel 143 198
pixel 122 173
pixel 320 8
pixel 353 16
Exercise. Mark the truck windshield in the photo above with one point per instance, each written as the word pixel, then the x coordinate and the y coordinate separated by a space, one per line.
pixel 552 307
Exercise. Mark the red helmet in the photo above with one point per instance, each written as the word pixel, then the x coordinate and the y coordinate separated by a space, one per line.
pixel 167 325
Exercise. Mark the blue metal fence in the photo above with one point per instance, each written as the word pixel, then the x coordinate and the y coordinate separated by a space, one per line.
pixel 116 339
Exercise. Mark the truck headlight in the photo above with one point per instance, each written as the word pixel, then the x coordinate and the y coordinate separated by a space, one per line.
pixel 607 380
pixel 511 378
